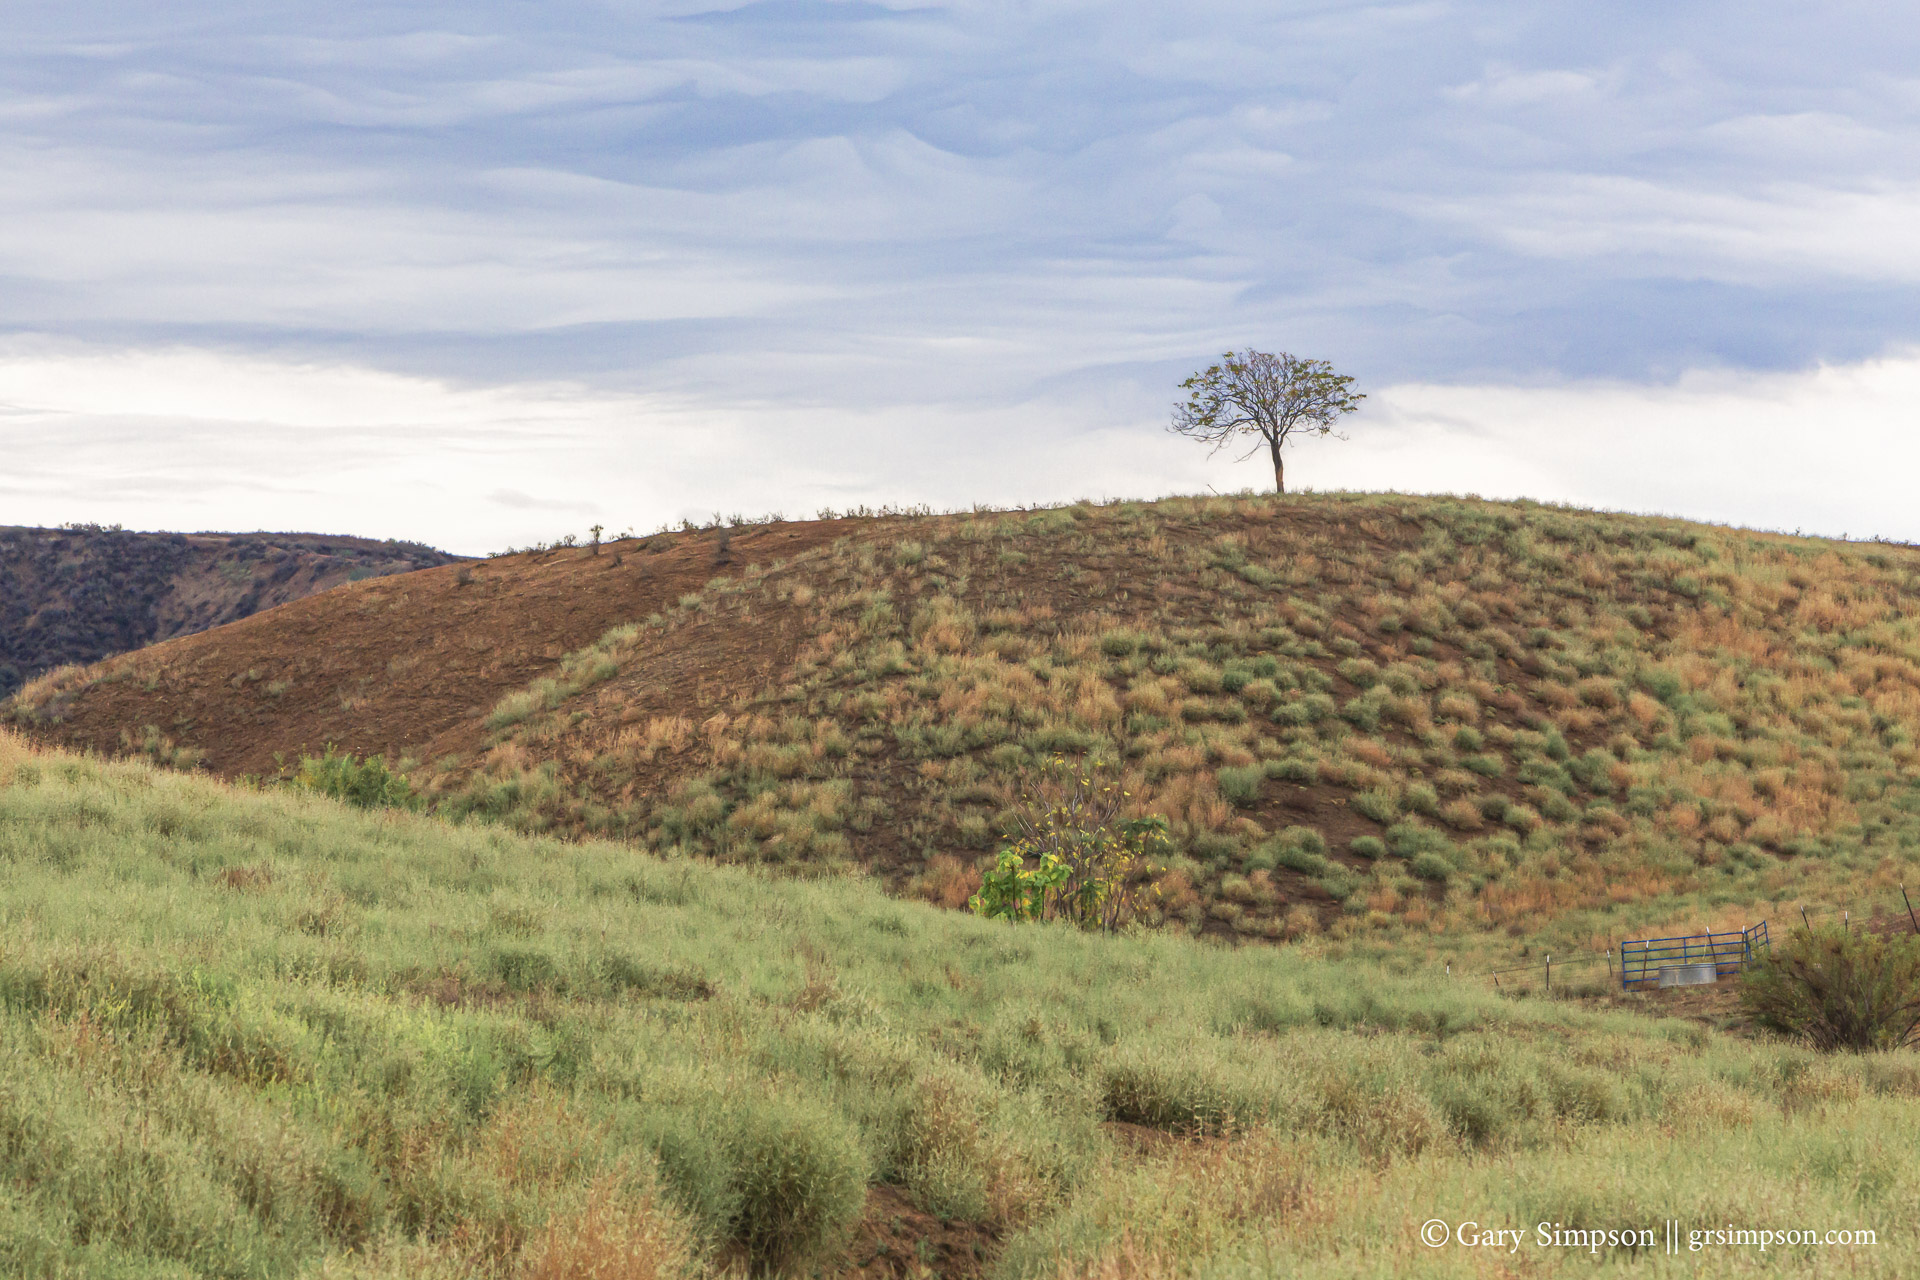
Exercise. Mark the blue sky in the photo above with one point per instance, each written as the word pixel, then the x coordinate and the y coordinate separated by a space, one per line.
pixel 486 272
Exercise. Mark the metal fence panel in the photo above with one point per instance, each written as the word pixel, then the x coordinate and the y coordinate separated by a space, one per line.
pixel 1643 960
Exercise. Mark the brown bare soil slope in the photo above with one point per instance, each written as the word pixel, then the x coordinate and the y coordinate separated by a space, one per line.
pixel 383 666
pixel 80 593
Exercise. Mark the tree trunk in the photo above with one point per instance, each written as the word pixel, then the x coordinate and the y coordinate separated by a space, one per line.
pixel 1279 468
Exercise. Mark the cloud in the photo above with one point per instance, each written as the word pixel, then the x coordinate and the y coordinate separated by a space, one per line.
pixel 1829 450
pixel 904 234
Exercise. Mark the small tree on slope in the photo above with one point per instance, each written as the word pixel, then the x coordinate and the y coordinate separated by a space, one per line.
pixel 1266 397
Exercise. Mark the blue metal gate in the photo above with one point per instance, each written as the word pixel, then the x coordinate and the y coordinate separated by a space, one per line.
pixel 1642 960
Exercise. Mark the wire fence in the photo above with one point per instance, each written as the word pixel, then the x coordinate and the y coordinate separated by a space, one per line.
pixel 1633 966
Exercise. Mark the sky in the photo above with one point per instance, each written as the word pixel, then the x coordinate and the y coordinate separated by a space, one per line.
pixel 483 274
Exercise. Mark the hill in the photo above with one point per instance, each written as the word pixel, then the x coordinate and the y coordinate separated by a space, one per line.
pixel 80 593
pixel 1406 720
pixel 254 1034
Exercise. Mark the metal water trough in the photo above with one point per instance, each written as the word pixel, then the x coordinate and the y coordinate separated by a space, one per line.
pixel 1694 960
pixel 1689 975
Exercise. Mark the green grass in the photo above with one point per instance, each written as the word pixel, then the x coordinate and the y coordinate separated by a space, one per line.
pixel 250 1033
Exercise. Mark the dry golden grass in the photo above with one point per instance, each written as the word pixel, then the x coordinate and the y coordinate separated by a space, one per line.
pixel 612 1237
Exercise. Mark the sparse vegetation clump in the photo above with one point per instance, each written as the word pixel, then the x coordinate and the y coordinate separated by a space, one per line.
pixel 260 1033
pixel 365 783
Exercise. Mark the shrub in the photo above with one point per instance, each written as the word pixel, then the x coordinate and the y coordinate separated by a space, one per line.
pixel 1368 846
pixel 1294 769
pixel 1557 807
pixel 1292 713
pixel 1422 798
pixel 367 784
pixel 1380 804
pixel 1304 838
pixel 1305 861
pixel 1177 1093
pixel 1088 857
pixel 1241 785
pixel 1410 839
pixel 1840 989
pixel 783 1178
pixel 1214 846
pixel 1431 866
pixel 1594 771
pixel 1363 713
pixel 1360 673
pixel 1521 818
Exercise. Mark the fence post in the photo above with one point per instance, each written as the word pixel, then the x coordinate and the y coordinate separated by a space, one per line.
pixel 1909 901
pixel 1804 921
pixel 1549 973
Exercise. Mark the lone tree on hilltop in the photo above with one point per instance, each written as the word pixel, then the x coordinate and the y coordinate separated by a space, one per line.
pixel 1267 397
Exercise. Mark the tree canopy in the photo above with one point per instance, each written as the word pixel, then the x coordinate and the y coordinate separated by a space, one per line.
pixel 1268 398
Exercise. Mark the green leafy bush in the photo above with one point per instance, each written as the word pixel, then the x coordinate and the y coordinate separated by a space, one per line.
pixel 367 784
pixel 1840 989
pixel 1089 860
pixel 1368 846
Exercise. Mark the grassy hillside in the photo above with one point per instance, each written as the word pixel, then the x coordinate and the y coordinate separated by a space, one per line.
pixel 1376 717
pixel 80 593
pixel 1368 715
pixel 256 1034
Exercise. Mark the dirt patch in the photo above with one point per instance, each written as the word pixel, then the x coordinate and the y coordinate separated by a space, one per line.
pixel 896 1241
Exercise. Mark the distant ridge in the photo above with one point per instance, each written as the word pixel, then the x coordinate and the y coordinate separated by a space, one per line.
pixel 80 593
